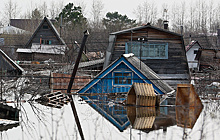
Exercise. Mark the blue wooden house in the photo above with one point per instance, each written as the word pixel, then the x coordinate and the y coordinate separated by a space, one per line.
pixel 118 77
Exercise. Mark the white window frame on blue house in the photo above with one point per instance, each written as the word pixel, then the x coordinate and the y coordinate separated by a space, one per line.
pixel 149 50
pixel 122 78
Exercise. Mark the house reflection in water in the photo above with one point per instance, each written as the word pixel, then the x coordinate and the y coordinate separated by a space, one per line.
pixel 114 113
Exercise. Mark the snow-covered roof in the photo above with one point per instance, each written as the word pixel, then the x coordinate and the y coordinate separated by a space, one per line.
pixel 47 49
pixel 12 30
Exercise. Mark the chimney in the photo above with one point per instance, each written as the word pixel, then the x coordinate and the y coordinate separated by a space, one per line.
pixel 218 37
pixel 165 24
pixel 190 38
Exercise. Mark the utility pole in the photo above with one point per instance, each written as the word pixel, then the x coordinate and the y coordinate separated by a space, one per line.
pixel 86 34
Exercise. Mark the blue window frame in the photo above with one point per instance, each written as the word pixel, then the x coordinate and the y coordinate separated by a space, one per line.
pixel 148 50
pixel 122 78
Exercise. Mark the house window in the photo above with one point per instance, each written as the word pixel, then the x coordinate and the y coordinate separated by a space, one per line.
pixel 46 42
pixel 148 50
pixel 122 78
pixel 2 42
pixel 195 51
pixel 45 27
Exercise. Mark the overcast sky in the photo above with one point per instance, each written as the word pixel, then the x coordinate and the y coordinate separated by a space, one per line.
pixel 122 6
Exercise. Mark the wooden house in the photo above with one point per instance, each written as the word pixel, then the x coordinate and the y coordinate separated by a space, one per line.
pixel 117 79
pixel 163 51
pixel 208 59
pixel 8 66
pixel 119 76
pixel 44 44
pixel 191 51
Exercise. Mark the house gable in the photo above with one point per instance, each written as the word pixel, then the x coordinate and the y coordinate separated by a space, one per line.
pixel 104 82
pixel 46 33
pixel 171 62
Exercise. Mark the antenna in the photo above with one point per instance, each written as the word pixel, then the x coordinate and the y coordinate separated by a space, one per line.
pixel 61 22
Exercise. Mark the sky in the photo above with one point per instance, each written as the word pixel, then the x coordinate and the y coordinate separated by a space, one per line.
pixel 122 6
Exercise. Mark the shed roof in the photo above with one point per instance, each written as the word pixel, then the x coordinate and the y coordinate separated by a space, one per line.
pixel 9 61
pixel 143 89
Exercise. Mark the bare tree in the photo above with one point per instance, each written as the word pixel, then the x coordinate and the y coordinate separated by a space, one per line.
pixel 43 9
pixel 96 13
pixel 147 13
pixel 11 10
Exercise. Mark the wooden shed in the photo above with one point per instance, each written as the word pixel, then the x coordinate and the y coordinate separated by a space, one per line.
pixel 188 105
pixel 187 96
pixel 141 94
pixel 141 117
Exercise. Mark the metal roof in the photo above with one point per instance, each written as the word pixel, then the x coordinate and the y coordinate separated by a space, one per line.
pixel 47 49
pixel 150 74
pixel 143 27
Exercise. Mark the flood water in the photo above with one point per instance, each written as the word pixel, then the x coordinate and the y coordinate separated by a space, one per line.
pixel 39 122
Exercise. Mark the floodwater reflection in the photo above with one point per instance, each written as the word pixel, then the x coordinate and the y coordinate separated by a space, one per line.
pixel 100 120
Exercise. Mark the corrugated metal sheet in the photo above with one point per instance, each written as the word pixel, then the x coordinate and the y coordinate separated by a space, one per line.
pixel 150 74
pixel 47 49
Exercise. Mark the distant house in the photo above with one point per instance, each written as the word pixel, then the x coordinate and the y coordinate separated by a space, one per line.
pixel 191 51
pixel 163 51
pixel 208 59
pixel 44 44
pixel 8 66
pixel 12 36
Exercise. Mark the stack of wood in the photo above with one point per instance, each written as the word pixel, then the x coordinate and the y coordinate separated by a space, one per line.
pixel 141 117
pixel 56 100
pixel 142 94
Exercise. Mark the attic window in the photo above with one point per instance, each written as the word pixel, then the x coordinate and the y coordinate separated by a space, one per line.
pixel 46 42
pixel 122 78
pixel 148 50
pixel 195 51
pixel 45 27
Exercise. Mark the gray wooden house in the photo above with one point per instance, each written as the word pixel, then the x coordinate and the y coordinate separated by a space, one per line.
pixel 44 44
pixel 163 51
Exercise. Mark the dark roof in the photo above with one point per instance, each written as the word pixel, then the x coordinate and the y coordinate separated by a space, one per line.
pixel 6 63
pixel 53 29
pixel 188 47
pixel 25 24
pixel 143 27
pixel 69 68
pixel 198 55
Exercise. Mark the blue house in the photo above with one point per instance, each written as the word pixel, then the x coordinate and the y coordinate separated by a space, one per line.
pixel 118 78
